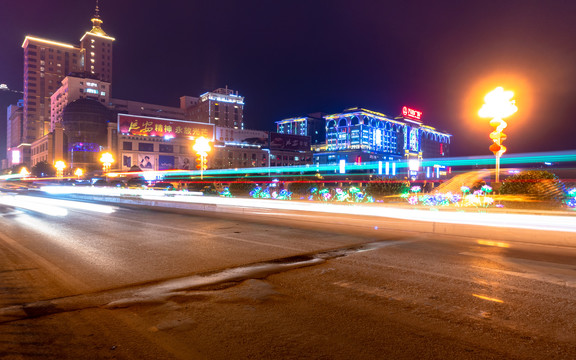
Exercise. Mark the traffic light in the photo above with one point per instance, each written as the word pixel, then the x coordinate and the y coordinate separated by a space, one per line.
pixel 199 161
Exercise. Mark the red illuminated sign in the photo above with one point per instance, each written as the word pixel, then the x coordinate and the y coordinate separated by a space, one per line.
pixel 411 113
pixel 148 126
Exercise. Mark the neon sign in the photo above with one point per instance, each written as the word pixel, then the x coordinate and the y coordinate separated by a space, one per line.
pixel 167 128
pixel 411 113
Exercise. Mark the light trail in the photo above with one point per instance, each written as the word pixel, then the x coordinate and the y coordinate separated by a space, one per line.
pixel 327 170
pixel 19 202
pixel 53 207
pixel 496 219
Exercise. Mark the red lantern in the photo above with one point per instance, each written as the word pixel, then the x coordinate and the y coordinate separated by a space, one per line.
pixel 495 148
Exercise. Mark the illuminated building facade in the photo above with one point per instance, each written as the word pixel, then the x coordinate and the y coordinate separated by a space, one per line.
pixel 222 107
pixel 358 135
pixel 288 149
pixel 46 64
pixel 77 86
pixel 151 143
pixel 239 148
pixel 312 125
pixel 14 134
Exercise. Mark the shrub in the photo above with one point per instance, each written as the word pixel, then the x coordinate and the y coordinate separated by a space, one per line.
pixel 538 183
pixel 241 187
pixel 386 187
pixel 301 188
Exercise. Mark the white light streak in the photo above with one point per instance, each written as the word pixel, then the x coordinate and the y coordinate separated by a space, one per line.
pixel 21 202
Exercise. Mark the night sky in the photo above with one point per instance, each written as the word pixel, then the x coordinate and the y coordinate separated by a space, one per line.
pixel 296 57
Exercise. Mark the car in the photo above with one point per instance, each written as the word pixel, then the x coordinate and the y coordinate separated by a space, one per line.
pixel 137 183
pixel 209 191
pixel 162 186
pixel 100 183
pixel 117 183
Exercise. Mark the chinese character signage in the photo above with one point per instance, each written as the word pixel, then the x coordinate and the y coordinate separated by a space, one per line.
pixel 411 113
pixel 289 142
pixel 148 126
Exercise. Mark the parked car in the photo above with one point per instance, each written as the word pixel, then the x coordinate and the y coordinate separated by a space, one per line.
pixel 137 183
pixel 162 186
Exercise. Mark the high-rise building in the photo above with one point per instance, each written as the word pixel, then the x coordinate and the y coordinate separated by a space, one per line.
pixel 48 62
pixel 96 46
pixel 221 107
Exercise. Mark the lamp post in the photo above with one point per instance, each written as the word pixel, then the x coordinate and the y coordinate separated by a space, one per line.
pixel 498 104
pixel 60 166
pixel 106 159
pixel 78 173
pixel 202 147
pixel 24 172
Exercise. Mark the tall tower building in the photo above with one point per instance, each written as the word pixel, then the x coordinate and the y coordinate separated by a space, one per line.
pixel 97 48
pixel 48 62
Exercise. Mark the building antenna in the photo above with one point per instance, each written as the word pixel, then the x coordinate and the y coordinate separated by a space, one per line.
pixel 97 12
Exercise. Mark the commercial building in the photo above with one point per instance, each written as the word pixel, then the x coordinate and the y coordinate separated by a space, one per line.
pixel 222 107
pixel 239 148
pixel 359 135
pixel 312 125
pixel 77 86
pixel 155 143
pixel 16 147
pixel 286 150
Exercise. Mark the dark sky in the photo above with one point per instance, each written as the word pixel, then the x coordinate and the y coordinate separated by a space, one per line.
pixel 296 57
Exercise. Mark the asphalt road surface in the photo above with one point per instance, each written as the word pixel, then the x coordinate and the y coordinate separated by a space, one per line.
pixel 129 283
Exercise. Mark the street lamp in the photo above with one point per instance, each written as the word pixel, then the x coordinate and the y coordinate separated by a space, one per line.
pixel 106 159
pixel 202 147
pixel 498 104
pixel 60 166
pixel 24 172
pixel 79 172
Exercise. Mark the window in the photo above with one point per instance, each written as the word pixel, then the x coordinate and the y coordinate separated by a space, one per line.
pixel 126 145
pixel 165 148
pixel 145 147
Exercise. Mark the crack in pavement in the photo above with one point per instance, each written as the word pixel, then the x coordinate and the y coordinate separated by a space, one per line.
pixel 162 291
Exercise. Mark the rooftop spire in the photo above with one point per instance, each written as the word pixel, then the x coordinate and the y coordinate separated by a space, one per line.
pixel 97 22
pixel 97 11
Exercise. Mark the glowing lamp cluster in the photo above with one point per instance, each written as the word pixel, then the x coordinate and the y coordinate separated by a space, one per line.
pixel 202 147
pixel 498 104
pixel 107 160
pixel 60 166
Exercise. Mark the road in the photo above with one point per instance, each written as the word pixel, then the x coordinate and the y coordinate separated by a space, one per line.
pixel 130 283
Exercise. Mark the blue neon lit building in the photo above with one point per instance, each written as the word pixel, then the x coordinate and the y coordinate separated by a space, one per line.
pixel 358 136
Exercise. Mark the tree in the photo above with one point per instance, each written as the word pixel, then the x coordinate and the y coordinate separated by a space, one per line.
pixel 42 169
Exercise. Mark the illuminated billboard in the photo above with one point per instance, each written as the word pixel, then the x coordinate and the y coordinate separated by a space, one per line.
pixel 411 113
pixel 289 142
pixel 166 128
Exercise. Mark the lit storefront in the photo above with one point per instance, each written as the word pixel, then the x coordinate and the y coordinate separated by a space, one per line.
pixel 151 143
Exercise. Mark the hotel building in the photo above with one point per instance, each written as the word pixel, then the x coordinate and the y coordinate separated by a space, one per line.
pixel 47 63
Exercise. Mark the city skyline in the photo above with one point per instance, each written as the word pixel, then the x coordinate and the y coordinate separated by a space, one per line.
pixel 291 60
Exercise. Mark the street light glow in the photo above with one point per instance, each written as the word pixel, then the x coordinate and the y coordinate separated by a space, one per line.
pixel 202 147
pixel 498 104
pixel 106 159
pixel 60 166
